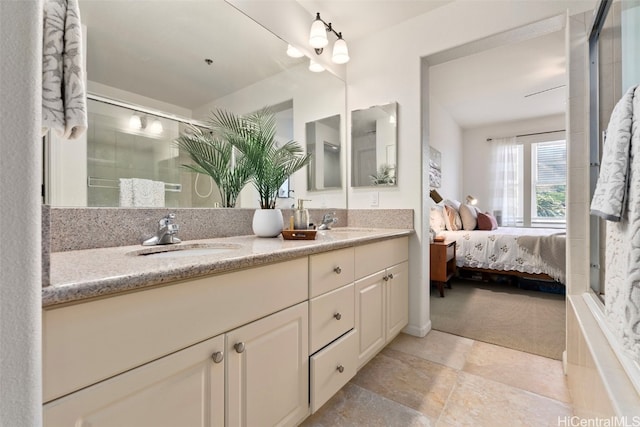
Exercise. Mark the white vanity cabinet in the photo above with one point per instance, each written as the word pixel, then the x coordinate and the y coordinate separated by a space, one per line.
pixel 128 360
pixel 182 389
pixel 382 294
pixel 268 370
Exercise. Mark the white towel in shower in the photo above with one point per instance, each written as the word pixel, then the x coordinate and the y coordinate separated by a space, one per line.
pixel 610 194
pixel 64 98
pixel 136 192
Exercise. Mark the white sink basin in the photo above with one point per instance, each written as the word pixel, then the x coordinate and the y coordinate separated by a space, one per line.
pixel 188 250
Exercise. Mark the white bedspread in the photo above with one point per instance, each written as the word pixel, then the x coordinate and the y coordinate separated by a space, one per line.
pixel 499 250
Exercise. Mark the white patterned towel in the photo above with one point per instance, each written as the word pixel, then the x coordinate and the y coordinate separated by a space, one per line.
pixel 610 195
pixel 64 105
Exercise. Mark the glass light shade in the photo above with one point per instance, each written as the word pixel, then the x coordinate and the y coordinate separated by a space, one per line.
pixel 156 127
pixel 318 35
pixel 135 122
pixel 315 67
pixel 293 52
pixel 340 52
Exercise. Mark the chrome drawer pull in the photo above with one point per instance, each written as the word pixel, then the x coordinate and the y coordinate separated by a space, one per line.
pixel 239 347
pixel 390 276
pixel 340 368
pixel 338 316
pixel 218 356
pixel 338 270
pixel 385 278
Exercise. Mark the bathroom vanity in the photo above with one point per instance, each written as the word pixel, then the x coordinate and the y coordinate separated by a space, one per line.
pixel 263 334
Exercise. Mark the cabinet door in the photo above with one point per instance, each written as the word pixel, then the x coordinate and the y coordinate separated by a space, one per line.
pixel 268 370
pixel 370 316
pixel 397 293
pixel 182 389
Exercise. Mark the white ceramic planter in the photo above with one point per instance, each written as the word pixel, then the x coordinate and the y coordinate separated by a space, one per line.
pixel 267 222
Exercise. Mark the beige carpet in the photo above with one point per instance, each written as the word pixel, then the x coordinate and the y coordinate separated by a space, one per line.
pixel 501 314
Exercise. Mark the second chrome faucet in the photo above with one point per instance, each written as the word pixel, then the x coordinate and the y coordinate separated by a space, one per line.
pixel 166 234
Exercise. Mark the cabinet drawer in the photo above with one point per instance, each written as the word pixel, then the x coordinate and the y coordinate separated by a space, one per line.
pixel 330 270
pixel 331 315
pixel 377 256
pixel 326 376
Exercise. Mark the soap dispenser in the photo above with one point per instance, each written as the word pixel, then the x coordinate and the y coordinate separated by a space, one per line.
pixel 301 216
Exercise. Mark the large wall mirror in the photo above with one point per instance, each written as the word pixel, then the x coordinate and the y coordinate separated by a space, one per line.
pixel 324 140
pixel 374 146
pixel 170 63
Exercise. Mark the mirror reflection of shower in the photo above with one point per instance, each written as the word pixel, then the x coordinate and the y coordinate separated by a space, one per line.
pixel 131 151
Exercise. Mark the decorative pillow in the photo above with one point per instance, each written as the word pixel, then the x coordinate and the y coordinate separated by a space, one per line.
pixel 452 219
pixel 436 219
pixel 469 217
pixel 453 203
pixel 486 221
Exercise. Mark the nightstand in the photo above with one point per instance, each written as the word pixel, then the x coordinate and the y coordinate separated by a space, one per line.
pixel 443 263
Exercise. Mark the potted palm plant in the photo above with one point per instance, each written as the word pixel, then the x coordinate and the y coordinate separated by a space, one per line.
pixel 271 163
pixel 213 156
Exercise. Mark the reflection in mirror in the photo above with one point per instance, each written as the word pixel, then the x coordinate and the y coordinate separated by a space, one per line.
pixel 153 55
pixel 374 145
pixel 323 140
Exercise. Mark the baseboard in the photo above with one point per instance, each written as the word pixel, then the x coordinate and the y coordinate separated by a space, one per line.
pixel 418 331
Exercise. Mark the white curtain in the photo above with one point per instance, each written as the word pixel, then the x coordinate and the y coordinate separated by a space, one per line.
pixel 505 188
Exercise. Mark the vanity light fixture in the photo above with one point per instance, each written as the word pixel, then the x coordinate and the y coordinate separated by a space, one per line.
pixel 315 67
pixel 156 127
pixel 135 122
pixel 318 40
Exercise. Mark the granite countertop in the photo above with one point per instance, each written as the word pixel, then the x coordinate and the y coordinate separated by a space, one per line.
pixel 90 273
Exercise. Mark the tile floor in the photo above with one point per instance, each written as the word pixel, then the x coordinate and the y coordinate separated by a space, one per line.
pixel 444 380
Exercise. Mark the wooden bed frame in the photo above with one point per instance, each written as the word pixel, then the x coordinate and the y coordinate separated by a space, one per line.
pixel 486 272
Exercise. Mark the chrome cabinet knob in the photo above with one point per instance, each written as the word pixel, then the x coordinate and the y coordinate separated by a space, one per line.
pixel 390 276
pixel 218 356
pixel 239 347
pixel 338 270
pixel 385 278
pixel 340 368
pixel 338 316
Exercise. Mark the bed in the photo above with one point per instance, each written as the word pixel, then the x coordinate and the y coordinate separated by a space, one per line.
pixel 528 252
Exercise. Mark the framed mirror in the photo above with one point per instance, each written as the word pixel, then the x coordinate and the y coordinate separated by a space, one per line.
pixel 324 141
pixel 374 146
pixel 171 64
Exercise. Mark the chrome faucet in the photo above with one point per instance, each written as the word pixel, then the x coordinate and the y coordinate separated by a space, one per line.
pixel 166 234
pixel 328 220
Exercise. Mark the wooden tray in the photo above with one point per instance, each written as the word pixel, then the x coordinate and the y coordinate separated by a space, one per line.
pixel 299 234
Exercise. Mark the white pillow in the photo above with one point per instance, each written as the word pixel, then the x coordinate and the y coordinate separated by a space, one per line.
pixel 453 203
pixel 469 217
pixel 452 219
pixel 436 219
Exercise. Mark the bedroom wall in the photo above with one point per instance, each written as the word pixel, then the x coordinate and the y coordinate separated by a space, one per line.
pixel 447 137
pixel 476 151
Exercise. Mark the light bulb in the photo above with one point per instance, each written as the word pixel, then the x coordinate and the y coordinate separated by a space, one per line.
pixel 294 52
pixel 156 127
pixel 318 34
pixel 315 67
pixel 135 122
pixel 340 52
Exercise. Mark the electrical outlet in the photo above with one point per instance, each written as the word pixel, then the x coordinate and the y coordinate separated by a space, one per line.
pixel 373 199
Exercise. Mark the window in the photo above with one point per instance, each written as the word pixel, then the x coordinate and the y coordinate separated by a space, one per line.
pixel 549 183
pixel 538 187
